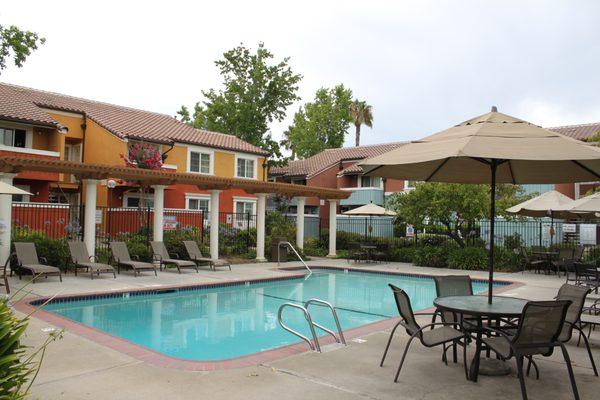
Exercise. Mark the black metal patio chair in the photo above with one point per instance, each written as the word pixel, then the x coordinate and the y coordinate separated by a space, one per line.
pixel 564 261
pixel 430 335
pixel 538 333
pixel 531 263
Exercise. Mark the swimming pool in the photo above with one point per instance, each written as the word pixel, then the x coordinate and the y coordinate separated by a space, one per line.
pixel 226 322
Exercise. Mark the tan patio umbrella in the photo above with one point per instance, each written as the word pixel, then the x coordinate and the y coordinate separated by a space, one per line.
pixel 543 205
pixel 492 148
pixel 588 206
pixel 5 188
pixel 370 209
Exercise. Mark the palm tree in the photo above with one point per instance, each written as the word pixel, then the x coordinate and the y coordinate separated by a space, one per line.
pixel 287 143
pixel 361 113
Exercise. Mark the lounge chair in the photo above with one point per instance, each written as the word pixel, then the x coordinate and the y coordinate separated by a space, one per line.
pixel 81 259
pixel 4 277
pixel 28 259
pixel 537 334
pixel 162 256
pixel 431 335
pixel 123 259
pixel 196 255
pixel 577 295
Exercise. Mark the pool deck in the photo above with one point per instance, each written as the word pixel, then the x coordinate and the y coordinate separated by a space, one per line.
pixel 76 367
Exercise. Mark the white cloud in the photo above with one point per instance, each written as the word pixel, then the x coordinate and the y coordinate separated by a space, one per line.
pixel 547 114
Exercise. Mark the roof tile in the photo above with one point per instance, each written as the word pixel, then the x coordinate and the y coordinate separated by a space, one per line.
pixel 579 132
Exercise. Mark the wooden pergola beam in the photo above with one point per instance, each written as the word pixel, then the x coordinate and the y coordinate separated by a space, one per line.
pixel 149 177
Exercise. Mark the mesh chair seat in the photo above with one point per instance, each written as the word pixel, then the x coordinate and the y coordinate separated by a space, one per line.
pixel 97 266
pixel 41 268
pixel 180 263
pixel 587 319
pixel 138 264
pixel 441 335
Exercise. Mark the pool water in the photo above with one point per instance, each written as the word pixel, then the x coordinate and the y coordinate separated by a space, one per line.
pixel 227 322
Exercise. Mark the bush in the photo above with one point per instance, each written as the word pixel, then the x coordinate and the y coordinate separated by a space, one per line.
pixel 174 241
pixel 431 256
pixel 507 260
pixel 312 248
pixel 402 254
pixel 55 251
pixel 140 250
pixel 468 258
pixel 513 241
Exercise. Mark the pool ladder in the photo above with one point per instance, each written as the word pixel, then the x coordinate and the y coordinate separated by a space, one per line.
pixel 314 344
pixel 294 250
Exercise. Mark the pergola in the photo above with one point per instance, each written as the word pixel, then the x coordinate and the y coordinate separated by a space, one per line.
pixel 91 174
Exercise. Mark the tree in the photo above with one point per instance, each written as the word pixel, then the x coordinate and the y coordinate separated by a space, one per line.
pixel 323 123
pixel 17 44
pixel 361 114
pixel 455 206
pixel 287 143
pixel 255 93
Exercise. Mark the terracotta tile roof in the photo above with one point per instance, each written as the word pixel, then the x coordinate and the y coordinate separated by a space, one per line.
pixel 579 132
pixel 325 159
pixel 351 170
pixel 23 104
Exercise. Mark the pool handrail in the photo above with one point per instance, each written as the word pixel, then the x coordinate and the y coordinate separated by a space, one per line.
pixel 335 318
pixel 294 250
pixel 308 318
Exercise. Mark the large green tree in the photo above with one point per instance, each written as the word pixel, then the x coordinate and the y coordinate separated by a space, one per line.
pixel 256 91
pixel 17 44
pixel 454 206
pixel 361 114
pixel 323 123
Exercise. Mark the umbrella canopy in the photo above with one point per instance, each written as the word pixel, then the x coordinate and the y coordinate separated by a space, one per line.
pixel 545 204
pixel 587 206
pixel 5 188
pixel 371 210
pixel 490 148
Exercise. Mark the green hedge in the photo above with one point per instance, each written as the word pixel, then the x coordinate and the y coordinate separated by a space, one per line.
pixel 55 251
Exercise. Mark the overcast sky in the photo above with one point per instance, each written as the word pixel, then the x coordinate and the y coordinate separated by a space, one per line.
pixel 422 65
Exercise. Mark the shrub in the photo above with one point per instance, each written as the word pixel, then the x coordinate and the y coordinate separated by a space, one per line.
pixel 431 256
pixel 140 250
pixel 312 248
pixel 174 241
pixel 507 259
pixel 468 258
pixel 402 254
pixel 513 241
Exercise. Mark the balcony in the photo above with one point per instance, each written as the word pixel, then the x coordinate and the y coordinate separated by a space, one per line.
pixel 361 196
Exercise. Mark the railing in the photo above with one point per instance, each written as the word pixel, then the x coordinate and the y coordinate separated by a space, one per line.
pixel 294 250
pixel 335 318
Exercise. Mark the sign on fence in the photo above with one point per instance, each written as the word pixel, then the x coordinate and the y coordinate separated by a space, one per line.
pixel 587 234
pixel 410 230
pixel 569 228
pixel 98 217
pixel 169 222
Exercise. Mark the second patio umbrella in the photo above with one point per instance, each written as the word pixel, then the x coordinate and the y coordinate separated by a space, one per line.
pixel 588 206
pixel 370 210
pixel 489 149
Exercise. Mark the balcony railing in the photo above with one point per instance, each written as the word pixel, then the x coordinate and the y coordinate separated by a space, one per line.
pixel 361 196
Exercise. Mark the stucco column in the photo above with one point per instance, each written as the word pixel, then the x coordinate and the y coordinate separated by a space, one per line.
pixel 5 219
pixel 332 227
pixel 300 203
pixel 159 212
pixel 89 218
pixel 261 209
pixel 214 224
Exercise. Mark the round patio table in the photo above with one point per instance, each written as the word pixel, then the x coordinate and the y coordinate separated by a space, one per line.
pixel 479 308
pixel 548 256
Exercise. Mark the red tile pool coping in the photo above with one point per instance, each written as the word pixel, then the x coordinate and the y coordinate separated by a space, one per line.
pixel 27 306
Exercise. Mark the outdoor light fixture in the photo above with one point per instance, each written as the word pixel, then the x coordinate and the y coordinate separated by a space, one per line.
pixel 111 183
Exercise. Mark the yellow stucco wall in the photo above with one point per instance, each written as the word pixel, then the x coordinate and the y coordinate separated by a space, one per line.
pixel 224 164
pixel 177 156
pixel 72 123
pixel 101 146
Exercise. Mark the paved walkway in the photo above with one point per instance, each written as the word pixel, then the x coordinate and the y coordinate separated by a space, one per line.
pixel 77 368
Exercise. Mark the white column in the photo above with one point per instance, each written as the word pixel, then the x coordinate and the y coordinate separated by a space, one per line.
pixel 89 219
pixel 214 224
pixel 261 207
pixel 159 212
pixel 5 219
pixel 301 202
pixel 332 227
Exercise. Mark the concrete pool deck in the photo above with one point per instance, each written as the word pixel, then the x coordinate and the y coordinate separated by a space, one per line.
pixel 78 368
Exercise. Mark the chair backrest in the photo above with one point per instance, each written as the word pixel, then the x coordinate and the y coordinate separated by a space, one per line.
pixel 565 254
pixel 578 253
pixel 540 326
pixel 26 253
pixel 577 295
pixel 453 285
pixel 192 249
pixel 79 253
pixel 160 249
pixel 405 310
pixel 119 251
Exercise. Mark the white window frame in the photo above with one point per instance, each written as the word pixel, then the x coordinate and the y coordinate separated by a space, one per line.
pixel 200 150
pixel 71 146
pixel 195 196
pixel 244 200
pixel 26 197
pixel 238 157
pixel 28 136
pixel 360 184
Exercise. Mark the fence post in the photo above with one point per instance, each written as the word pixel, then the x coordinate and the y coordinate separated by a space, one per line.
pixel 201 226
pixel 248 230
pixel 148 225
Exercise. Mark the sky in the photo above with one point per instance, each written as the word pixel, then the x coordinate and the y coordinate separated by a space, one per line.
pixel 423 65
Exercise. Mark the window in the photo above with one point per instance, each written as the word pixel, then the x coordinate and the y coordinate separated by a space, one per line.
pixel 244 207
pixel 245 168
pixel 370 181
pixel 22 198
pixel 200 162
pixel 13 137
pixel 198 204
pixel 135 200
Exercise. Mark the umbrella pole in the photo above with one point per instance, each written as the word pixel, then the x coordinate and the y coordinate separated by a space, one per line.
pixel 493 166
